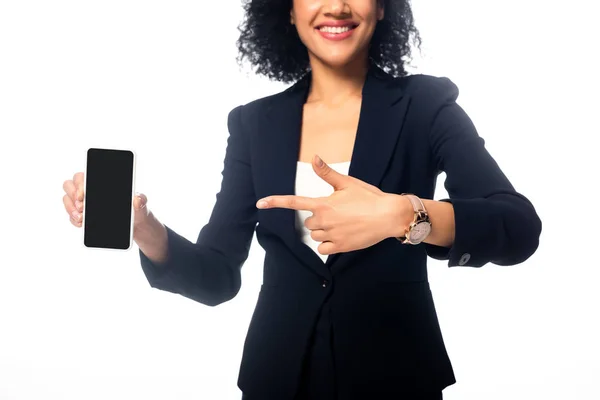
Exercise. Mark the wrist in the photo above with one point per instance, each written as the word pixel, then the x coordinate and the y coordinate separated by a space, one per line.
pixel 145 228
pixel 152 239
pixel 401 215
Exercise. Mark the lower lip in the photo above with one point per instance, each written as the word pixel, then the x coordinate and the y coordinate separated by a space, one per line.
pixel 336 36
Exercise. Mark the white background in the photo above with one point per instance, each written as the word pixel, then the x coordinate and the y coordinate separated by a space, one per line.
pixel 160 77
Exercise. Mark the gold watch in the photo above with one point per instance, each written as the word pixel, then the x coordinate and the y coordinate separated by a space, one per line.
pixel 420 227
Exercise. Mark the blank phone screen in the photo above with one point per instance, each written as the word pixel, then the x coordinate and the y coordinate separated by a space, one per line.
pixel 108 199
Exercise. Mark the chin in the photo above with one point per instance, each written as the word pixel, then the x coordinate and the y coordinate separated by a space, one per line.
pixel 338 61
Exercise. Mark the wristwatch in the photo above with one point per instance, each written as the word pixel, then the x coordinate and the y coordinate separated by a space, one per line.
pixel 420 227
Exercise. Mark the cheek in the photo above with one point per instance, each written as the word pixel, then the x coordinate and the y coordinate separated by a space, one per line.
pixel 370 12
pixel 305 10
pixel 371 23
pixel 305 14
pixel 308 6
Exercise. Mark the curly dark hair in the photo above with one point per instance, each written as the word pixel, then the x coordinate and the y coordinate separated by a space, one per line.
pixel 270 43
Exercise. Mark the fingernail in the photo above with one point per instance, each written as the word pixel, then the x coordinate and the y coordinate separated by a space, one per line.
pixel 75 215
pixel 319 161
pixel 262 204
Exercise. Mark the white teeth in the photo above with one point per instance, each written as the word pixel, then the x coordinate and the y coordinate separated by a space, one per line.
pixel 334 29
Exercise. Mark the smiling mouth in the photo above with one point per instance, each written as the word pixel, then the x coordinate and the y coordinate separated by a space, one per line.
pixel 336 29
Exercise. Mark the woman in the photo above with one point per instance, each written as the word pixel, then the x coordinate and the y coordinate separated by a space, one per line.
pixel 336 176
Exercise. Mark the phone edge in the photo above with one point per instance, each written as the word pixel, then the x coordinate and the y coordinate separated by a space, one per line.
pixel 133 191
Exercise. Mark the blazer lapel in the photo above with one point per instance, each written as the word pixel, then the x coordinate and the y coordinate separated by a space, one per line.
pixel 384 106
pixel 380 122
pixel 275 168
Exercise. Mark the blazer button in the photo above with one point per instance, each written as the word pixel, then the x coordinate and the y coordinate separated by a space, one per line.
pixel 464 259
pixel 325 283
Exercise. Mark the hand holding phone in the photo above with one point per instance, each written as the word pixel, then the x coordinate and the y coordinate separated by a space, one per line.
pixel 108 199
pixel 107 191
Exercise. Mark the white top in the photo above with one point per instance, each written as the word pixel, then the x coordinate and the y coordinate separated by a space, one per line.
pixel 309 184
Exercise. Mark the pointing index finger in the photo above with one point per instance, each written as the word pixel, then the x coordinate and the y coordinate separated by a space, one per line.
pixel 290 202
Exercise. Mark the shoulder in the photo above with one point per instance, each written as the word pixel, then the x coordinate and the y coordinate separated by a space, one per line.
pixel 250 110
pixel 262 104
pixel 427 88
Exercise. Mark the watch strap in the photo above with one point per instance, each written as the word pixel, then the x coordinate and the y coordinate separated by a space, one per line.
pixel 416 202
pixel 419 216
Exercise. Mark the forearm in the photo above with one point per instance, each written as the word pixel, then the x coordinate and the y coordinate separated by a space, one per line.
pixel 200 271
pixel 151 238
pixel 441 215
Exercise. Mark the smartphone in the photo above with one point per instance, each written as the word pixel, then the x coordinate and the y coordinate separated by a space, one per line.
pixel 108 199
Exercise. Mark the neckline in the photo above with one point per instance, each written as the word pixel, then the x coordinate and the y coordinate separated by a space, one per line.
pixel 337 163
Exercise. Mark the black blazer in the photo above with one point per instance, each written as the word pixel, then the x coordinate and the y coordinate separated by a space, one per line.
pixel 383 316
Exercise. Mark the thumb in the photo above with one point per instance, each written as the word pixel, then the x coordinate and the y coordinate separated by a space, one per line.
pixel 139 206
pixel 328 174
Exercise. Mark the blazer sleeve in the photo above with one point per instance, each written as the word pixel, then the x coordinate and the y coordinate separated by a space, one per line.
pixel 208 271
pixel 493 222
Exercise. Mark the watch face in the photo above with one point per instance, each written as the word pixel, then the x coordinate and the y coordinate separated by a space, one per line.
pixel 420 232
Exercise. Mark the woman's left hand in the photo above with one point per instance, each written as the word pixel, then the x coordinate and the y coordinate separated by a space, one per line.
pixel 357 215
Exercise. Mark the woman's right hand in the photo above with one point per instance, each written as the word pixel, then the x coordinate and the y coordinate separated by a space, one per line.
pixel 149 234
pixel 73 202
